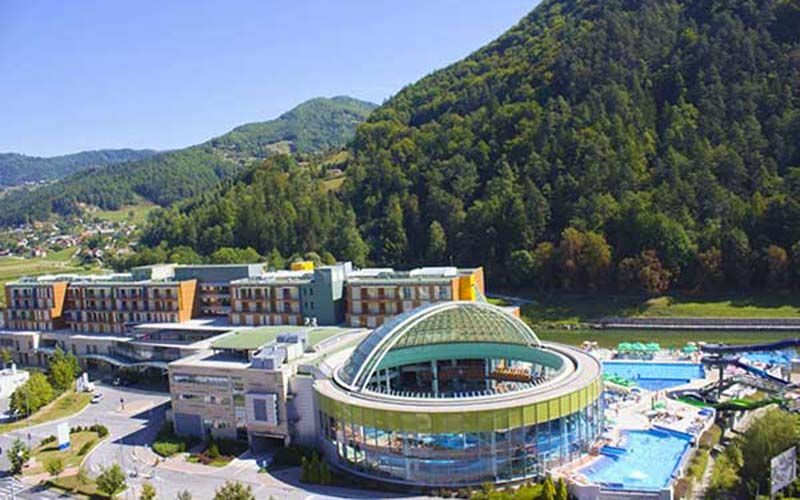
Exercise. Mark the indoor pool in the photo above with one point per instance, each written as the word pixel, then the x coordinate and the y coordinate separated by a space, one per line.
pixel 654 376
pixel 646 460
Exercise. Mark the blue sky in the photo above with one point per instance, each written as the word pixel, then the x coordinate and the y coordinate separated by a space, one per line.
pixel 84 74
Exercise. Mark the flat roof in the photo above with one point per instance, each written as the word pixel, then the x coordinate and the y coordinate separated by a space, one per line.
pixel 253 338
pixel 197 324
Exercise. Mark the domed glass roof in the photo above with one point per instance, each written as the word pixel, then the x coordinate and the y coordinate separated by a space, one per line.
pixel 440 323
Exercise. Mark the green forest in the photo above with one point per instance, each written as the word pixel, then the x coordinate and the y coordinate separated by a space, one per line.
pixel 637 146
pixel 313 126
pixel 17 169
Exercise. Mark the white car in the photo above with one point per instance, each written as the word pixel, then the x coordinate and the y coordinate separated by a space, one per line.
pixel 97 397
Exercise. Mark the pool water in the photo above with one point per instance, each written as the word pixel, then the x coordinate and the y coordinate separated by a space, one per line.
pixel 655 376
pixel 647 463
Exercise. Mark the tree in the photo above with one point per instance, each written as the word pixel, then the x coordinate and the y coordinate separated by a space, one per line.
pixel 394 242
pixel 234 491
pixel 32 395
pixel 6 356
pixel 54 466
pixel 111 480
pixel 148 492
pixel 521 268
pixel 185 255
pixel 544 265
pixel 644 273
pixel 595 259
pixel 228 255
pixel 437 244
pixel 548 489
pixel 562 493
pixel 63 370
pixel 777 268
pixel 18 455
pixel 768 436
pixel 709 269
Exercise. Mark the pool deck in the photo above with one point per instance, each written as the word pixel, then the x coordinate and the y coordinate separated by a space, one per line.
pixel 637 413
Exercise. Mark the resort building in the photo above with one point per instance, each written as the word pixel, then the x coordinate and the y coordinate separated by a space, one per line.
pixel 375 295
pixel 253 384
pixel 35 304
pixel 458 393
pixel 214 284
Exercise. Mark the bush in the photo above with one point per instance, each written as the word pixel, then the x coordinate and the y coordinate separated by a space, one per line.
pixel 291 456
pixel 100 429
pixel 167 443
pixel 86 447
pixel 49 439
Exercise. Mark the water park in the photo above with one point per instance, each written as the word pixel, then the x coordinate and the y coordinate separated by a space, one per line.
pixel 659 403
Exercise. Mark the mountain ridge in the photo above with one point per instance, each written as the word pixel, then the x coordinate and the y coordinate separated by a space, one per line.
pixel 310 127
pixel 18 168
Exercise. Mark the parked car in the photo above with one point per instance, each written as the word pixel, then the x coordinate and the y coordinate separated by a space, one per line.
pixel 97 397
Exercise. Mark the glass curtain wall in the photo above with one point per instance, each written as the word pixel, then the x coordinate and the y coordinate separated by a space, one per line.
pixel 462 458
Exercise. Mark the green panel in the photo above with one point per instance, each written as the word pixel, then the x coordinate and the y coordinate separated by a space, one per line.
pixel 554 409
pixel 529 415
pixel 476 421
pixel 542 412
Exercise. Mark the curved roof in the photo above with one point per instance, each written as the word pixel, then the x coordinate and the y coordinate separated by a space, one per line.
pixel 440 323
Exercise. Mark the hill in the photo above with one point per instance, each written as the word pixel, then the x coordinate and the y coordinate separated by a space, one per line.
pixel 170 176
pixel 596 144
pixel 617 144
pixel 18 169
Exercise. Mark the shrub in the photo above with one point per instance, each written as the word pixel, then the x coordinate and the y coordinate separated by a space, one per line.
pixel 100 429
pixel 291 456
pixel 167 443
pixel 49 439
pixel 86 447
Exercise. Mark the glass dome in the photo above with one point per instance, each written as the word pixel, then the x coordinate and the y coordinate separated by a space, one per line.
pixel 442 323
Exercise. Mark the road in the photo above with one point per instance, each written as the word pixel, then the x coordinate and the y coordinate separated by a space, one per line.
pixel 132 430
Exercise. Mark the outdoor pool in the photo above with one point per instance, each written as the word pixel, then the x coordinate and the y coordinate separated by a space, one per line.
pixel 646 461
pixel 654 376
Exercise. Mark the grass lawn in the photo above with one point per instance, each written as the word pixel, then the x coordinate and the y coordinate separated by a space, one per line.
pixel 134 214
pixel 70 457
pixel 65 405
pixel 567 309
pixel 666 338
pixel 74 489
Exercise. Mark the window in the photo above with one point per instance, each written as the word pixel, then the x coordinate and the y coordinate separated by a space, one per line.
pixel 408 293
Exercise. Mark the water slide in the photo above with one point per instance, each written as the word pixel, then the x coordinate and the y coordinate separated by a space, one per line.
pixel 733 361
pixel 769 346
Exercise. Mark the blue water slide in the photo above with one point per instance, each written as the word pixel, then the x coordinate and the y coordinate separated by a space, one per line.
pixel 768 346
pixel 744 366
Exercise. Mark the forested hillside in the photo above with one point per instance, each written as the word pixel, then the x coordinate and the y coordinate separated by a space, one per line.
pixel 629 143
pixel 311 127
pixel 17 169
pixel 635 145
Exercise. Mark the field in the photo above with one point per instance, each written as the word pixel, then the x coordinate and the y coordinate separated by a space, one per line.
pixel 580 309
pixel 666 338
pixel 134 214
pixel 12 268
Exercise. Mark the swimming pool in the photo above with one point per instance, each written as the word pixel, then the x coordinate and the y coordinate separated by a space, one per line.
pixel 655 376
pixel 646 461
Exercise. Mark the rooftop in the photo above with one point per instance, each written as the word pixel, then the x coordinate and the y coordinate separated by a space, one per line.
pixel 440 324
pixel 253 338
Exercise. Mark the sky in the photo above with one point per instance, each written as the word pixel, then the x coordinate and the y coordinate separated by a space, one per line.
pixel 80 75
